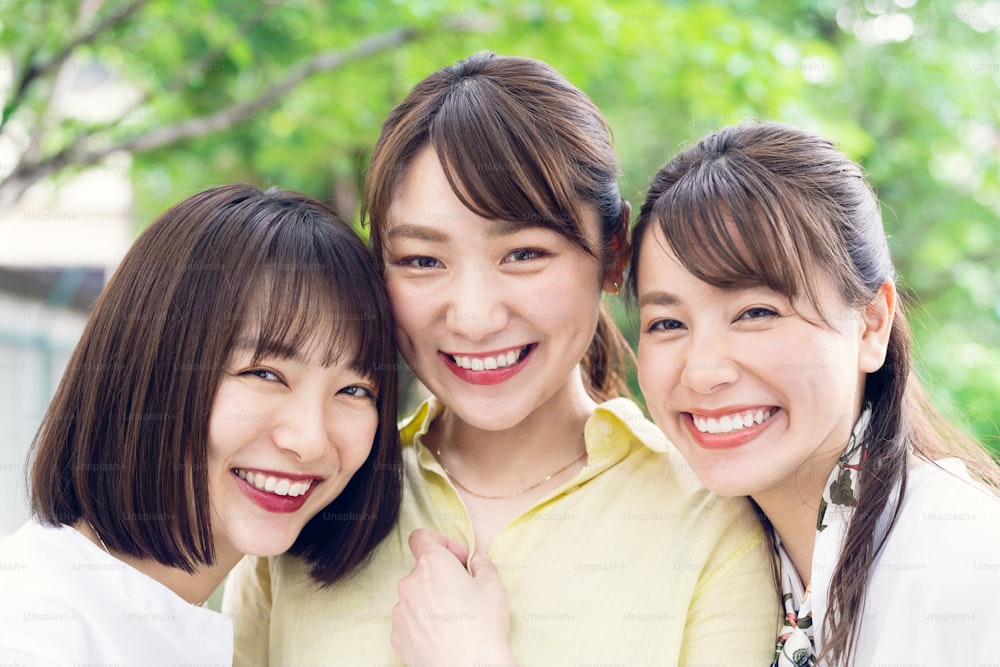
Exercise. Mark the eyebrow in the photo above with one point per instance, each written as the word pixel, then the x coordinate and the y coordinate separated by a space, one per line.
pixel 410 230
pixel 497 229
pixel 658 299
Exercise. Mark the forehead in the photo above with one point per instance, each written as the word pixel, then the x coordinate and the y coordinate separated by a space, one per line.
pixel 658 266
pixel 426 207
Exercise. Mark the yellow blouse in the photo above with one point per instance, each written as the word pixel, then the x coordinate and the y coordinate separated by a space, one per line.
pixel 633 562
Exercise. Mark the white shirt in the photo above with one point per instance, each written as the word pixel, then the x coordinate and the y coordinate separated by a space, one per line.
pixel 64 601
pixel 934 595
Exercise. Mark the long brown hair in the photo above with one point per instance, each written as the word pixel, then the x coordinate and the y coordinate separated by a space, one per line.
pixel 770 204
pixel 517 143
pixel 124 442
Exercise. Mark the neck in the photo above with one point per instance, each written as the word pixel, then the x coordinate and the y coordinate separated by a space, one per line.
pixel 193 587
pixel 793 508
pixel 795 526
pixel 504 461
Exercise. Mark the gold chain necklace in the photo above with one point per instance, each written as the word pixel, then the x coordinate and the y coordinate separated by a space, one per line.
pixel 512 495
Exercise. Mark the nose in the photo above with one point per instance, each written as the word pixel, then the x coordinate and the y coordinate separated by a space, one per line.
pixel 477 307
pixel 707 366
pixel 303 428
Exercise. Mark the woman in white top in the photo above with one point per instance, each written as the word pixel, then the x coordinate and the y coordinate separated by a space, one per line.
pixel 774 354
pixel 233 393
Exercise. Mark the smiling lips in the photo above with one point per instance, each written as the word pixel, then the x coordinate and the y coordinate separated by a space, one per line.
pixel 275 492
pixel 278 486
pixel 488 368
pixel 727 430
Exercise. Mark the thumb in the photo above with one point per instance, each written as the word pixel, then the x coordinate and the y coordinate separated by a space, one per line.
pixel 424 541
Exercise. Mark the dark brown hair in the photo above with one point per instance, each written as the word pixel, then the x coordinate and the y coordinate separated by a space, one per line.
pixel 124 442
pixel 517 143
pixel 769 204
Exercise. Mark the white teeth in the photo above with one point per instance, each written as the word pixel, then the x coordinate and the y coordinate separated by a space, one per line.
pixel 730 423
pixel 279 487
pixel 501 360
pixel 726 424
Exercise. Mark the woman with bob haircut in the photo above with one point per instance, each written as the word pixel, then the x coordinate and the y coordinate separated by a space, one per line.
pixel 774 353
pixel 234 392
pixel 494 206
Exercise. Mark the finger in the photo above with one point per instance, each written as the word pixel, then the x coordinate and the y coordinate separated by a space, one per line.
pixel 425 541
pixel 458 550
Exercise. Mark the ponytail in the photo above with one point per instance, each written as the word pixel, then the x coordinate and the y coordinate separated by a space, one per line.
pixel 606 362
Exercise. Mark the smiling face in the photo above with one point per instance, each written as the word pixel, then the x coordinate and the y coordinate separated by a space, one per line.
pixel 286 434
pixel 758 396
pixel 493 317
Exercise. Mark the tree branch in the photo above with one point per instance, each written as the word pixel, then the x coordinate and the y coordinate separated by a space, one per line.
pixel 77 153
pixel 63 80
pixel 36 70
pixel 203 63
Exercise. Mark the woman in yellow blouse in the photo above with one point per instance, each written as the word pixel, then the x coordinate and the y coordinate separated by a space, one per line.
pixel 493 202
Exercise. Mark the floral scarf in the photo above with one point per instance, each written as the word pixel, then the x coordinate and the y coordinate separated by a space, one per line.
pixel 796 646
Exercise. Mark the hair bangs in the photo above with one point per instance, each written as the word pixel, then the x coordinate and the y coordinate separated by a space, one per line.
pixel 307 302
pixel 734 231
pixel 500 162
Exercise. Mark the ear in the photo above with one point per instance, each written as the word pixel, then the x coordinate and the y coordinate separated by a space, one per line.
pixel 617 259
pixel 876 318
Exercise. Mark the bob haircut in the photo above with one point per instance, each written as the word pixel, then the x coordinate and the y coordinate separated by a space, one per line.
pixel 518 143
pixel 770 204
pixel 124 442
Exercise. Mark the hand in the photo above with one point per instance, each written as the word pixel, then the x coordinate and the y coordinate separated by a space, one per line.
pixel 448 615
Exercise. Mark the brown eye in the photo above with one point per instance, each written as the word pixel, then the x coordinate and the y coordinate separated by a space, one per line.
pixel 420 262
pixel 666 324
pixel 524 254
pixel 262 373
pixel 757 313
pixel 358 391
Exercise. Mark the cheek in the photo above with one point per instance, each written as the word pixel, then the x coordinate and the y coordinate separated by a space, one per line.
pixel 226 422
pixel 822 370
pixel 356 435
pixel 409 309
pixel 656 369
pixel 565 297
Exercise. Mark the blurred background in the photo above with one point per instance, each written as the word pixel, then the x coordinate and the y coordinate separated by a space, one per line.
pixel 113 110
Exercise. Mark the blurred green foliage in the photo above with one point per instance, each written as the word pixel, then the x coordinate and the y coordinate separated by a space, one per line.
pixel 907 87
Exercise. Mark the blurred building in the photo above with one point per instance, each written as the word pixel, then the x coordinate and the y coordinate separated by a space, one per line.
pixel 42 313
pixel 55 255
pixel 58 244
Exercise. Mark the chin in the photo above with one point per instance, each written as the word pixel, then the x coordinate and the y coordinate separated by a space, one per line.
pixel 268 541
pixel 270 548
pixel 483 414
